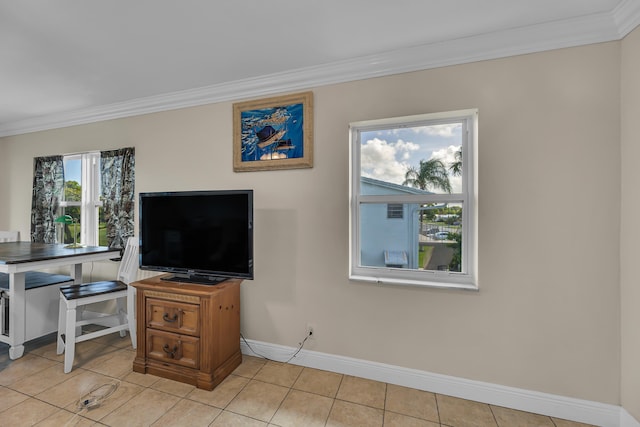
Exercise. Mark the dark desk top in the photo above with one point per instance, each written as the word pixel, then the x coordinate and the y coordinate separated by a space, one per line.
pixel 20 252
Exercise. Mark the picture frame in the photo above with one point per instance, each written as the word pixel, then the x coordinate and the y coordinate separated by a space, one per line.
pixel 273 133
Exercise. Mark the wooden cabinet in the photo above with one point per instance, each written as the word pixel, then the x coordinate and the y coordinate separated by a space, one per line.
pixel 187 332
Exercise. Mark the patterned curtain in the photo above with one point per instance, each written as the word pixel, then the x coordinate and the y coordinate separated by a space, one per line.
pixel 118 188
pixel 48 185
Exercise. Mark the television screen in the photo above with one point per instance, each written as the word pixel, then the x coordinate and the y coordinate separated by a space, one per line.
pixel 202 236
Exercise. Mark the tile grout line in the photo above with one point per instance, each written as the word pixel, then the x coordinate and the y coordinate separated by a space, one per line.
pixel 249 376
pixel 493 414
pixel 285 396
pixel 384 402
pixel 333 400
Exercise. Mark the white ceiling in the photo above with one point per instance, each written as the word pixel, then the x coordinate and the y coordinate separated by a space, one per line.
pixel 67 62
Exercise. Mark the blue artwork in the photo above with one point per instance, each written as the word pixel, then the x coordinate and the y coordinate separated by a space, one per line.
pixel 272 133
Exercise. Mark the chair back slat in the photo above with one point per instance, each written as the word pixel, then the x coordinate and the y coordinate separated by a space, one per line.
pixel 9 236
pixel 128 270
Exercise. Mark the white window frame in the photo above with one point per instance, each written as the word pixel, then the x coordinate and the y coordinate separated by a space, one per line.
pixel 91 196
pixel 468 277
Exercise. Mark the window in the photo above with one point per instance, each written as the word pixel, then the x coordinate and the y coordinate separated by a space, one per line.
pixel 81 200
pixel 413 195
pixel 97 190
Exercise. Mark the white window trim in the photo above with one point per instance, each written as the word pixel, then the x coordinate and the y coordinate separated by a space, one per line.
pixel 468 278
pixel 90 199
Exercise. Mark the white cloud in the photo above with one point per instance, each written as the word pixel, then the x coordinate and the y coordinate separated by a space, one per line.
pixel 389 161
pixel 448 156
pixel 444 131
pixel 380 159
pixel 401 145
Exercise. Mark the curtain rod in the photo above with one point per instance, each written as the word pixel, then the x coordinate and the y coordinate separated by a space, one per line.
pixel 93 151
pixel 82 152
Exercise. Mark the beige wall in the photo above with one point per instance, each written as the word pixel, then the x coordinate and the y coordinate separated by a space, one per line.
pixel 630 286
pixel 547 316
pixel 4 188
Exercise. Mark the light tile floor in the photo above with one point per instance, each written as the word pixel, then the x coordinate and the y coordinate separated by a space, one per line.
pixel 35 391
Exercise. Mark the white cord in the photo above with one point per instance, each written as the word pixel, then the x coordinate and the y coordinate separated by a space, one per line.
pixel 96 395
pixel 93 399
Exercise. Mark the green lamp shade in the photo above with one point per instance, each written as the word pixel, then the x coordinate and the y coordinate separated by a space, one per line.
pixel 66 219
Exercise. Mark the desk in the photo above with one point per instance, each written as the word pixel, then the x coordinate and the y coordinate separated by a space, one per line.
pixel 16 258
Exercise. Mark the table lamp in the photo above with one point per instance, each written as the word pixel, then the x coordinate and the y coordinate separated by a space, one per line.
pixel 67 219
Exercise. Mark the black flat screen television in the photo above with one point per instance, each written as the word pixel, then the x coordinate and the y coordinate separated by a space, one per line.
pixel 200 236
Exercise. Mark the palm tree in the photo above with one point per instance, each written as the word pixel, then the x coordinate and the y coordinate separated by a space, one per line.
pixel 430 174
pixel 456 166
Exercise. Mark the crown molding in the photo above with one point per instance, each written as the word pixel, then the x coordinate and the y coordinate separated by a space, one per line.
pixel 626 16
pixel 596 28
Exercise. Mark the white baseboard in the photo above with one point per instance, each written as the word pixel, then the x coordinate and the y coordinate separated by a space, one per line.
pixel 579 410
pixel 626 420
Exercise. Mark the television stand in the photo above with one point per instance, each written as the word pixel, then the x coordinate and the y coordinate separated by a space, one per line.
pixel 188 332
pixel 199 280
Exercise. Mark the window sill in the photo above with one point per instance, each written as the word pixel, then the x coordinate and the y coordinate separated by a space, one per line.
pixel 415 283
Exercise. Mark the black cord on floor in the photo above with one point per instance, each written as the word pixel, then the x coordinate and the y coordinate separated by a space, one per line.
pixel 300 345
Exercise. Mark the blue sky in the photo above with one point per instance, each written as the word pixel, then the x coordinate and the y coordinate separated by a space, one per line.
pixel 386 155
pixel 73 170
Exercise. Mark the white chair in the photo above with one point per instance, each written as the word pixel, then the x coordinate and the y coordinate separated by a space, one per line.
pixel 77 296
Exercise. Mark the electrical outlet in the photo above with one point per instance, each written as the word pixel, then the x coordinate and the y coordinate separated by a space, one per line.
pixel 311 330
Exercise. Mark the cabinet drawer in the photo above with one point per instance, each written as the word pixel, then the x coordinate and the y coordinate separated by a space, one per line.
pixel 173 348
pixel 173 316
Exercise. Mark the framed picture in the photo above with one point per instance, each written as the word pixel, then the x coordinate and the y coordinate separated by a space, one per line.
pixel 273 133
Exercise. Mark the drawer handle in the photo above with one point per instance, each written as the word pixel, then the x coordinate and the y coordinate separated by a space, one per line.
pixel 171 353
pixel 166 317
